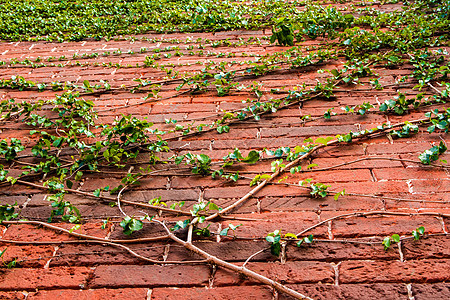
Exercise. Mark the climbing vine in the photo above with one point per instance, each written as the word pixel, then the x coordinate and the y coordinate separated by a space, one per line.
pixel 68 140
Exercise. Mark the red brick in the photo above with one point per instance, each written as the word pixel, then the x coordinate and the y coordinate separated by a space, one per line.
pixel 409 173
pixel 335 251
pixel 425 270
pixel 427 247
pixel 431 185
pixel 351 291
pixel 95 254
pixel 31 279
pixel 332 176
pixel 149 276
pixel 27 256
pixel 291 272
pixel 431 291
pixel 25 232
pixel 218 293
pixel 383 188
pixel 365 164
pixel 397 147
pixel 265 223
pixel 229 250
pixel 100 294
pixel 13 295
pixel 307 131
pixel 383 225
pixel 166 195
pixel 325 204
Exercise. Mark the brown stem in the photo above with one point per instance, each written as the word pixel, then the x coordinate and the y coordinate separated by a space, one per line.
pixel 241 270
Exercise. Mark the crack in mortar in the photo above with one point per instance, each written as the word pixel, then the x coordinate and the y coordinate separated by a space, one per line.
pixel 336 272
pixel 441 220
pixel 400 252
pixel 149 294
pixel 274 294
pixel 410 294
pixel 330 233
pixel 374 178
pixel 410 186
pixel 218 233
pixel 47 264
pixel 211 276
pixel 24 205
pixel 166 252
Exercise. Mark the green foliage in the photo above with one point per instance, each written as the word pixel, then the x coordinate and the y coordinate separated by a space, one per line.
pixel 274 238
pixel 282 33
pixel 236 156
pixel 395 238
pixel 329 113
pixel 201 163
pixel 432 154
pixel 418 233
pixel 258 178
pixel 9 152
pixel 338 194
pixel 360 109
pixel 65 209
pixel 306 240
pixel 317 189
pixel 439 121
pixel 11 264
pixel 7 212
pixel 224 232
pixel 400 105
pixel 131 225
pixel 407 130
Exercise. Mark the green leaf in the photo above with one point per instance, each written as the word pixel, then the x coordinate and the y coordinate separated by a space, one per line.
pixel 309 239
pixel 421 230
pixel 275 249
pixel 252 157
pixel 97 192
pixel 386 243
pixel 395 238
pixel 131 225
pixel 224 232
pixel 213 206
pixel 69 183
pixel 290 235
pixel 270 239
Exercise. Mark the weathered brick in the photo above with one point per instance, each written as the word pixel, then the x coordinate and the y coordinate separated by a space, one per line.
pixel 431 186
pixel 13 295
pixel 218 293
pixel 351 291
pixel 265 223
pixel 427 247
pixel 226 249
pixel 433 291
pixel 291 272
pixel 95 254
pixel 425 270
pixel 25 232
pixel 31 279
pixel 334 251
pixel 27 256
pixel 383 225
pixel 127 293
pixel 149 276
pixel 307 202
pixel 409 173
